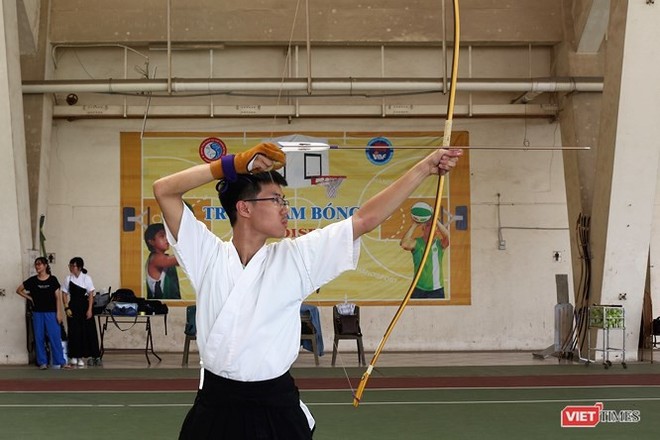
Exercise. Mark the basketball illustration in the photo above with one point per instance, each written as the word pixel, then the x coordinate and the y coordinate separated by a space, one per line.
pixel 421 212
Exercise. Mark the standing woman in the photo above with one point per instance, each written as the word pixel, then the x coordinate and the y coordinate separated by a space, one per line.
pixel 43 290
pixel 78 301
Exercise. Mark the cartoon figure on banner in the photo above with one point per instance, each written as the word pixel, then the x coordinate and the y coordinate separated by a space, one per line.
pixel 160 268
pixel 431 281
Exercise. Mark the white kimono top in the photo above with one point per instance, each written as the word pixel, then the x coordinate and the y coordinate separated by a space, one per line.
pixel 82 280
pixel 248 318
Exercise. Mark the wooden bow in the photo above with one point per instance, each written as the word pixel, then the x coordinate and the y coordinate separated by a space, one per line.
pixel 446 140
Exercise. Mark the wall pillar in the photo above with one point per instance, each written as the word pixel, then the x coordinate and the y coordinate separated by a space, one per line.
pixel 626 164
pixel 14 197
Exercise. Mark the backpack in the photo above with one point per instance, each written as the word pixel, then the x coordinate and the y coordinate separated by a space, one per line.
pixel 124 295
pixel 152 307
pixel 123 303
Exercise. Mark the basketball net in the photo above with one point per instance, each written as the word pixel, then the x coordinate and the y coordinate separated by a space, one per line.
pixel 331 184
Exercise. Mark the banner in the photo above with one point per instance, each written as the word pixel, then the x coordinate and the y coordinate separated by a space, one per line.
pixel 323 187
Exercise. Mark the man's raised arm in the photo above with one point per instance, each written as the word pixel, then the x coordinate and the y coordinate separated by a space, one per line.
pixel 169 190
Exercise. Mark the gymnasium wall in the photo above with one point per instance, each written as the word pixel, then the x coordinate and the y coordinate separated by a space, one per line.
pixel 512 290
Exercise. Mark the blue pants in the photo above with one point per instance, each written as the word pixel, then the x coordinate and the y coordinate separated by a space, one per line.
pixel 46 326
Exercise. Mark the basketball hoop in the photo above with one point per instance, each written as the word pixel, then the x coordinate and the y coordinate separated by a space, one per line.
pixel 331 184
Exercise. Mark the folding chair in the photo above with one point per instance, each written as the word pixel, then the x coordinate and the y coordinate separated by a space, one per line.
pixel 347 327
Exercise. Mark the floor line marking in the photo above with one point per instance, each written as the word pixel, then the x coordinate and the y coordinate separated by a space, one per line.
pixel 539 387
pixel 487 402
pixel 404 403
pixel 316 390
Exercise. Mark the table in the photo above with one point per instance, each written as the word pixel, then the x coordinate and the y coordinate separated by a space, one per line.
pixel 105 318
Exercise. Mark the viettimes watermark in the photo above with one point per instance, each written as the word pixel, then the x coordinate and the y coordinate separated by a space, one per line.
pixel 574 416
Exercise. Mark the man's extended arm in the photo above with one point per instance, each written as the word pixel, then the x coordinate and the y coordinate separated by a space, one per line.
pixel 378 208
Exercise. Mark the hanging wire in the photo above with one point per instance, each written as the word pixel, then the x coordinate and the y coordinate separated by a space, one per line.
pixel 284 69
pixel 575 343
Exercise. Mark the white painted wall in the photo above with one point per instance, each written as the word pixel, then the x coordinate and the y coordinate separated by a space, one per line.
pixel 513 291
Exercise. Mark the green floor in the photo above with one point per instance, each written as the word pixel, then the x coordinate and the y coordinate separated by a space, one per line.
pixel 530 413
pixel 449 413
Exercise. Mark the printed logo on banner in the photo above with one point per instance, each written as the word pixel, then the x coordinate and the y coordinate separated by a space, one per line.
pixel 576 416
pixel 212 149
pixel 379 151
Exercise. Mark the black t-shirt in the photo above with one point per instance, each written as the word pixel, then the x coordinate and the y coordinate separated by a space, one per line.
pixel 43 293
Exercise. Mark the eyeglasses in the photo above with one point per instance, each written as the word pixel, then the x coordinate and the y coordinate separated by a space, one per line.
pixel 277 199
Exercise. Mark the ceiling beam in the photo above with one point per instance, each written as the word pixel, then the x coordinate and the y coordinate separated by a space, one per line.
pixel 595 27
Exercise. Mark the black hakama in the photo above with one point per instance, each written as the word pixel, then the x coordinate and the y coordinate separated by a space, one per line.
pixel 83 339
pixel 233 410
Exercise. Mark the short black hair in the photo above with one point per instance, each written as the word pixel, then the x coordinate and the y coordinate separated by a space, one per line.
pixel 247 186
pixel 150 233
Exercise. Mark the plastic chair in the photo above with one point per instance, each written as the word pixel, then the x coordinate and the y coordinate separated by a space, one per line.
pixel 347 327
pixel 308 332
pixel 190 331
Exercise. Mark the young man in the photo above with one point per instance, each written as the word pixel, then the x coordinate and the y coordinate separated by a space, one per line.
pixel 249 293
